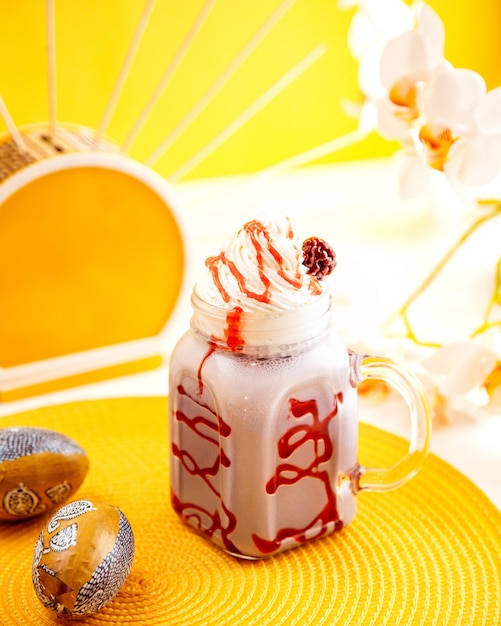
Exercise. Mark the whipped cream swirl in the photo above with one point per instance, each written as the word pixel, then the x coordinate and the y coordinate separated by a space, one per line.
pixel 259 270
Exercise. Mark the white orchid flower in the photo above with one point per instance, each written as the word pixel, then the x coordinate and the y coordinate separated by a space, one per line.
pixel 407 66
pixel 462 131
pixel 465 377
pixel 375 22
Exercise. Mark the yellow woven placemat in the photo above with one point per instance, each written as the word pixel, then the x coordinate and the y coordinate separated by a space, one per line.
pixel 427 553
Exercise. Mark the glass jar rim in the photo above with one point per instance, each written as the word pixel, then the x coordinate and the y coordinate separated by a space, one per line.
pixel 243 330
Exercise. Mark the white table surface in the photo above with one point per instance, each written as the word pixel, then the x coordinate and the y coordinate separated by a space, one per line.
pixel 378 240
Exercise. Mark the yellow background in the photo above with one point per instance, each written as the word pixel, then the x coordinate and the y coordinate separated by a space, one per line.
pixel 93 37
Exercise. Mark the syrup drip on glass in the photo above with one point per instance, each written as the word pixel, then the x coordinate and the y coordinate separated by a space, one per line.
pixel 287 474
pixel 194 513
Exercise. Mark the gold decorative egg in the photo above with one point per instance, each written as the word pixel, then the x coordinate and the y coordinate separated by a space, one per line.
pixel 82 557
pixel 39 470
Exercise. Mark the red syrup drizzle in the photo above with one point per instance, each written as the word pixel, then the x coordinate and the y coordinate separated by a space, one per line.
pixel 210 351
pixel 288 474
pixel 261 241
pixel 233 330
pixel 234 341
pixel 193 512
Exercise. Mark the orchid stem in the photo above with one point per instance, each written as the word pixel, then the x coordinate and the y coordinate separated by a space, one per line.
pixel 495 299
pixel 402 312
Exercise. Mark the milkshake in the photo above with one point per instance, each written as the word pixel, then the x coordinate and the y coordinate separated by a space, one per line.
pixel 263 400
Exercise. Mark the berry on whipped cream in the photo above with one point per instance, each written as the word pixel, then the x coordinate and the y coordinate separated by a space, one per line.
pixel 318 257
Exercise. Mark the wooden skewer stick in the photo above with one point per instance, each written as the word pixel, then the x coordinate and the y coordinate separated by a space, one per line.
pixel 220 82
pixel 282 167
pixel 329 147
pixel 127 64
pixel 169 73
pixel 51 64
pixel 11 127
pixel 251 111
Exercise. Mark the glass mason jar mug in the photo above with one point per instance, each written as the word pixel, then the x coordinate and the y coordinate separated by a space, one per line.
pixel 264 429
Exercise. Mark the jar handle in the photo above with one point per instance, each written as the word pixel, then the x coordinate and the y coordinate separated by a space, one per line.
pixel 412 391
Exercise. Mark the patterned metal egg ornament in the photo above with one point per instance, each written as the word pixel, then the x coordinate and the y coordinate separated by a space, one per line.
pixel 82 557
pixel 39 470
